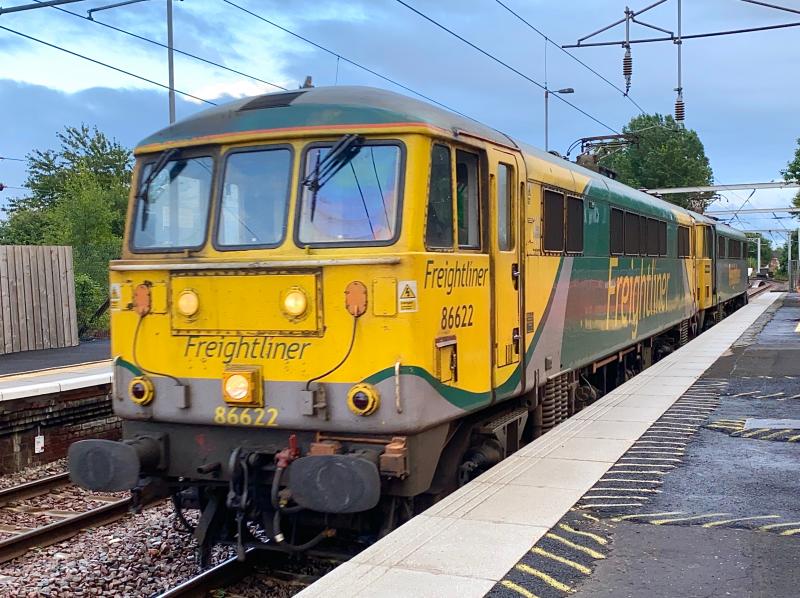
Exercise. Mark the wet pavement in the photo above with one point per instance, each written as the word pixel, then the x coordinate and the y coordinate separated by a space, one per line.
pixel 705 504
pixel 28 361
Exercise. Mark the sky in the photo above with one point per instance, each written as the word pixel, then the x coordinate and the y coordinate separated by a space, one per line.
pixel 741 92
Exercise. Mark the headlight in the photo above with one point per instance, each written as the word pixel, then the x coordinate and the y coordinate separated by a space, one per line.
pixel 188 303
pixel 141 391
pixel 241 385
pixel 295 303
pixel 363 399
pixel 237 387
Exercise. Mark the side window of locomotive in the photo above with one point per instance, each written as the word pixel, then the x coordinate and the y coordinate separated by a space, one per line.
pixel 683 241
pixel 721 249
pixel 439 226
pixel 255 193
pixel 617 233
pixel 662 238
pixel 553 221
pixel 505 228
pixel 642 235
pixel 735 249
pixel 652 236
pixel 468 200
pixel 708 242
pixel 574 225
pixel 631 233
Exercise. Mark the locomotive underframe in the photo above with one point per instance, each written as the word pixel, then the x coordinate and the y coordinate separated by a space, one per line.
pixel 241 479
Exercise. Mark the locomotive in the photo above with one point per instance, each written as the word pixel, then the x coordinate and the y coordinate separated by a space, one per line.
pixel 336 305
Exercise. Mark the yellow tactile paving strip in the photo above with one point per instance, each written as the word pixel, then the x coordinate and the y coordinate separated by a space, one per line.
pixel 627 486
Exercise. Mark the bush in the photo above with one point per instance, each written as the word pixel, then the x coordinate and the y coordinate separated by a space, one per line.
pixel 89 296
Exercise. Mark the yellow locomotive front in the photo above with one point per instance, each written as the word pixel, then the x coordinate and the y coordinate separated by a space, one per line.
pixel 273 349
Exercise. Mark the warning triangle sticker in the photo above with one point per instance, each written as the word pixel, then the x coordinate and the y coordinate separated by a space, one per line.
pixel 408 293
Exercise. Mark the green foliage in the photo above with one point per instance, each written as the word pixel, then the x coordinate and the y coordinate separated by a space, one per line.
pixel 24 226
pixel 792 174
pixel 78 197
pixel 89 295
pixel 782 252
pixel 666 156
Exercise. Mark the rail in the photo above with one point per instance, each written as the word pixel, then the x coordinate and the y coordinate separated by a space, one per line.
pixel 225 573
pixel 34 488
pixel 58 531
pixel 232 571
pixel 761 288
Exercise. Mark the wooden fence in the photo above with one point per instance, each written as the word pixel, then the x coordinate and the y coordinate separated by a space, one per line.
pixel 37 298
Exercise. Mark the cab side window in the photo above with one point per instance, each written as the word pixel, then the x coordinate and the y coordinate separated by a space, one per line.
pixel 505 229
pixel 468 200
pixel 683 241
pixel 708 242
pixel 439 227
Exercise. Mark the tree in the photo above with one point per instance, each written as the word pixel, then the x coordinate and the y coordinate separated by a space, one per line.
pixel 80 148
pixel 666 155
pixel 78 197
pixel 792 175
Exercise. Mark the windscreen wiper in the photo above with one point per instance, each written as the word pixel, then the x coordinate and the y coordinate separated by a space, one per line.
pixel 339 156
pixel 144 189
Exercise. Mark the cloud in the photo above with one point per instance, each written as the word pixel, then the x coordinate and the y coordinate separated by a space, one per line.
pixel 128 115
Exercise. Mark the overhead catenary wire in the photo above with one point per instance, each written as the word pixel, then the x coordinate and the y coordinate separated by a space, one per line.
pixel 571 55
pixel 13 159
pixel 345 59
pixel 105 64
pixel 502 63
pixel 176 50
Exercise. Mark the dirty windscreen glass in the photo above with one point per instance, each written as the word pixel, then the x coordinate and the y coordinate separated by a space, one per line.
pixel 358 204
pixel 173 212
pixel 255 192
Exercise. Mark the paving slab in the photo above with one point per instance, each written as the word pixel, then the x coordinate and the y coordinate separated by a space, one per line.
pixel 705 502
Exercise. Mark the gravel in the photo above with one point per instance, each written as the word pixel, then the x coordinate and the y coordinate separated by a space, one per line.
pixel 140 555
pixel 30 474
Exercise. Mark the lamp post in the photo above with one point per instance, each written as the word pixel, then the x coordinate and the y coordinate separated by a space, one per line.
pixel 547 93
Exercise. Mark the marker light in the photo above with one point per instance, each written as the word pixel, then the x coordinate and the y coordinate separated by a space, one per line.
pixel 188 303
pixel 295 303
pixel 363 399
pixel 237 387
pixel 141 391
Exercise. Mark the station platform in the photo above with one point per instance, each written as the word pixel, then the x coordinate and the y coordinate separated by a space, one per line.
pixel 685 481
pixel 30 361
pixel 54 380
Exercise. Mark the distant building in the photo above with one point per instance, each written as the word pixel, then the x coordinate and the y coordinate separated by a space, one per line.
pixel 773 264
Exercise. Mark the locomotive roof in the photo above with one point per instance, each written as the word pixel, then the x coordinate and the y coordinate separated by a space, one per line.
pixel 358 105
pixel 319 107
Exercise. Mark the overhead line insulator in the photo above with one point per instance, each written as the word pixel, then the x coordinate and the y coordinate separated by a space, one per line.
pixel 627 68
pixel 680 110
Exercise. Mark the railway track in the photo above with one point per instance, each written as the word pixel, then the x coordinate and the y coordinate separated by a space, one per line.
pixel 66 524
pixel 754 291
pixel 279 569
